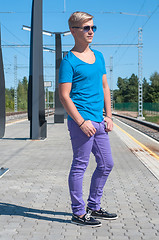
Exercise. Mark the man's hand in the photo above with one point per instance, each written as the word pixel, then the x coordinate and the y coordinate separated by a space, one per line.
pixel 109 122
pixel 88 128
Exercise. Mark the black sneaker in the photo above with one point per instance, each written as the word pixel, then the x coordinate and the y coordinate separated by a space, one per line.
pixel 86 220
pixel 102 214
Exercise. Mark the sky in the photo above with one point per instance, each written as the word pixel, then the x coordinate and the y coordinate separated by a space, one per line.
pixel 117 22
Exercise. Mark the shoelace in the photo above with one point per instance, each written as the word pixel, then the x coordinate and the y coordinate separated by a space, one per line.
pixel 87 216
pixel 103 209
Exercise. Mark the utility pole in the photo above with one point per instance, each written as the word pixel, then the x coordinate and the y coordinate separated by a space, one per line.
pixel 2 94
pixel 140 81
pixel 111 81
pixel 15 83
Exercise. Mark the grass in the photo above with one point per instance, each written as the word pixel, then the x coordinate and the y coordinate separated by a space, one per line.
pixel 154 119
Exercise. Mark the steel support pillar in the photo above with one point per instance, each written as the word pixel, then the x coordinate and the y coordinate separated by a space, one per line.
pixel 36 93
pixel 2 94
pixel 65 53
pixel 111 82
pixel 15 84
pixel 140 80
pixel 59 110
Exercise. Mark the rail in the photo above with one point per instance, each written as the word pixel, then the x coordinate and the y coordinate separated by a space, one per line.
pixel 142 122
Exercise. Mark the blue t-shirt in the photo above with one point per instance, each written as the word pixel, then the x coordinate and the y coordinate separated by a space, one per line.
pixel 87 87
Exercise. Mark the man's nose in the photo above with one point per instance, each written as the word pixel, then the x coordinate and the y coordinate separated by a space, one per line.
pixel 90 30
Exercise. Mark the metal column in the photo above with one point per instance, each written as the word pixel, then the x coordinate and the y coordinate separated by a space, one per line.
pixel 140 80
pixel 2 104
pixel 15 84
pixel 111 82
pixel 2 95
pixel 59 110
pixel 36 93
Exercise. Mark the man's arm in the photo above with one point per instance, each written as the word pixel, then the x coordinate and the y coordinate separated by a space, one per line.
pixel 107 104
pixel 64 93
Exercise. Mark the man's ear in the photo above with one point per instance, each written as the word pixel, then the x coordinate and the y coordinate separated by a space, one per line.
pixel 72 31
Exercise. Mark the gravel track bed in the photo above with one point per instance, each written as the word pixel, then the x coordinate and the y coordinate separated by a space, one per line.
pixel 147 130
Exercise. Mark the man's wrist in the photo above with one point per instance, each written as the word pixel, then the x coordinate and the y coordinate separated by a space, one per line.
pixel 109 117
pixel 82 123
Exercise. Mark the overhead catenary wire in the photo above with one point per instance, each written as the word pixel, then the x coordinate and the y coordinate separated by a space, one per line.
pixel 137 33
pixel 96 12
pixel 16 38
pixel 45 46
pixel 6 12
pixel 150 16
pixel 12 34
pixel 18 52
pixel 130 27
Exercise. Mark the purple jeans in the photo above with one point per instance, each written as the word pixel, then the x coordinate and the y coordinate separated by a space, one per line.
pixel 82 146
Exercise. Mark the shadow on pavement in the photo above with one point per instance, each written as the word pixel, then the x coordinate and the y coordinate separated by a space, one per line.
pixel 15 210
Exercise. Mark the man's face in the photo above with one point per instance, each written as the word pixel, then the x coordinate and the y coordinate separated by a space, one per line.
pixel 81 35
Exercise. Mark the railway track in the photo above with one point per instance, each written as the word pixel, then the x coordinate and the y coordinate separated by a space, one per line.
pixel 150 129
pixel 12 116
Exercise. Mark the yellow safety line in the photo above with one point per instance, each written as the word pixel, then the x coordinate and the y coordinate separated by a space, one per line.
pixel 142 145
pixel 16 121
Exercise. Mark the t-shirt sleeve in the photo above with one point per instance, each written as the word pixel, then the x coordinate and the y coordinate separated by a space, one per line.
pixel 103 65
pixel 65 72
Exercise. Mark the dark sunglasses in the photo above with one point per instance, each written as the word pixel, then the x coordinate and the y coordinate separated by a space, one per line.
pixel 87 28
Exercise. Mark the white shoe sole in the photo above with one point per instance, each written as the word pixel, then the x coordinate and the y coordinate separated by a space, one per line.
pixel 104 218
pixel 86 225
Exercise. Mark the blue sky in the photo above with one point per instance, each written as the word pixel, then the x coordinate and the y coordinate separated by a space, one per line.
pixel 112 28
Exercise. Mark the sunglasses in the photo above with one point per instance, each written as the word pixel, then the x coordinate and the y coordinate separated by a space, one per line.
pixel 87 28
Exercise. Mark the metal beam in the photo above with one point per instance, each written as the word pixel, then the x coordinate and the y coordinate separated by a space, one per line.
pixel 70 45
pixel 36 93
pixel 59 110
pixel 2 94
pixel 48 33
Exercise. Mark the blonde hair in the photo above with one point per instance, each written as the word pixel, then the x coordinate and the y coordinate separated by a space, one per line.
pixel 77 18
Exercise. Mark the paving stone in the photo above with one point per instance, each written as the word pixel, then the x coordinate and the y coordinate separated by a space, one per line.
pixel 149 232
pixel 102 238
pixel 120 237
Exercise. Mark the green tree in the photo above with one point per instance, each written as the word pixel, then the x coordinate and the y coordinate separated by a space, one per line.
pixel 132 89
pixel 9 97
pixel 128 89
pixel 22 94
pixel 146 87
pixel 154 88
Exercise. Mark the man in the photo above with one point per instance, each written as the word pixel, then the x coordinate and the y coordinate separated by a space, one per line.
pixel 84 92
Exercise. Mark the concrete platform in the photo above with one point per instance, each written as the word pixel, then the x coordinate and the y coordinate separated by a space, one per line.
pixel 34 196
